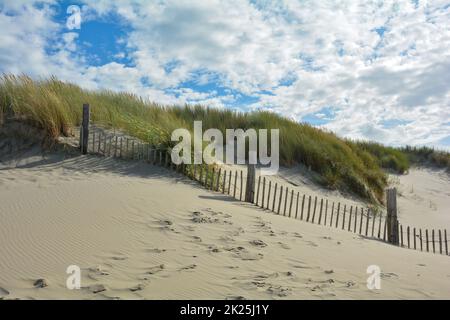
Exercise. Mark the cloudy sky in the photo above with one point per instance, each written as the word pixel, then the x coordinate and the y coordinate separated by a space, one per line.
pixel 375 69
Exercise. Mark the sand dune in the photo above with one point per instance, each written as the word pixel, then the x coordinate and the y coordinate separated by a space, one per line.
pixel 424 197
pixel 142 232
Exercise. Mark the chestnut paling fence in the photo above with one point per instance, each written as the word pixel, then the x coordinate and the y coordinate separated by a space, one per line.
pixel 273 196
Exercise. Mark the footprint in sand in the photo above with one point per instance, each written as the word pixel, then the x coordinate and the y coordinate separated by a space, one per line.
pixel 243 254
pixel 279 291
pixel 284 245
pixel 139 287
pixel 189 267
pixel 302 266
pixel 312 244
pixel 214 213
pixel 385 275
pixel 196 239
pixel 321 285
pixel 213 248
pixel 199 217
pixel 97 288
pixel 98 270
pixel 156 269
pixel 95 272
pixel 118 258
pixel 258 243
pixel 156 250
pixel 163 225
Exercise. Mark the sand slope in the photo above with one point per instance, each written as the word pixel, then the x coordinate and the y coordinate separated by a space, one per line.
pixel 424 198
pixel 144 232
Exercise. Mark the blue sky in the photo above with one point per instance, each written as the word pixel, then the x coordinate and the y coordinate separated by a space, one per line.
pixel 366 70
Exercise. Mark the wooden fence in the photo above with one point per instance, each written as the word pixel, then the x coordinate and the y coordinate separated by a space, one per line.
pixel 274 196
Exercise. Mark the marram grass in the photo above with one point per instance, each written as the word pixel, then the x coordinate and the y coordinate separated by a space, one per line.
pixel 55 107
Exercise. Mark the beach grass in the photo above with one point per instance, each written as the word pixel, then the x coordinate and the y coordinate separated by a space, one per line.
pixel 55 107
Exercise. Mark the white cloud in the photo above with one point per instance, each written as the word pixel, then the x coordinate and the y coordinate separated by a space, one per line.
pixel 369 60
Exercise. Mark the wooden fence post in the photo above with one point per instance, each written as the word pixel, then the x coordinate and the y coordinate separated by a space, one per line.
pixel 263 192
pixel 326 212
pixel 218 179
pixel 401 235
pixel 446 241
pixel 432 239
pixel 373 224
pixel 426 239
pixel 332 214
pixel 281 198
pixel 379 226
pixel 309 209
pixel 367 222
pixel 257 190
pixel 343 217
pixel 274 196
pixel 84 130
pixel 99 141
pixel 414 234
pixel 407 234
pixel 296 206
pixel 250 184
pixel 314 211
pixel 440 241
pixel 224 183
pixel 337 214
pixel 361 215
pixel 303 207
pixel 268 195
pixel 235 184
pixel 320 212
pixel 229 182
pixel 240 196
pixel 350 218
pixel 421 240
pixel 104 145
pixel 391 203
pixel 211 187
pixel 285 201
pixel 290 205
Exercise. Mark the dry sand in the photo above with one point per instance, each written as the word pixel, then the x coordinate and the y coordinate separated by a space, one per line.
pixel 140 231
pixel 424 198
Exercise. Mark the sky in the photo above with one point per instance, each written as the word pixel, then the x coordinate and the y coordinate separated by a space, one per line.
pixel 376 70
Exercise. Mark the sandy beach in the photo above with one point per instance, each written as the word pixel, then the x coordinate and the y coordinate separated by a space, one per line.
pixel 142 232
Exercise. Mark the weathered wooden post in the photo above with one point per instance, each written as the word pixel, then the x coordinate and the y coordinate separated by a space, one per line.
pixel 257 192
pixel 392 221
pixel 263 192
pixel 250 183
pixel 84 130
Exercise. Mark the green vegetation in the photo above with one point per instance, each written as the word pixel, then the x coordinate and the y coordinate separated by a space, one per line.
pixel 55 107
pixel 387 157
pixel 427 156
